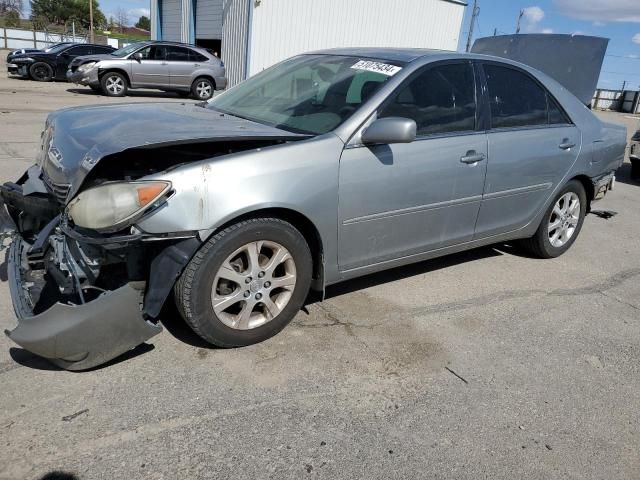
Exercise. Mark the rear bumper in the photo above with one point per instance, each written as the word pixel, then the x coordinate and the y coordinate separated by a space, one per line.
pixel 221 83
pixel 77 337
pixel 603 184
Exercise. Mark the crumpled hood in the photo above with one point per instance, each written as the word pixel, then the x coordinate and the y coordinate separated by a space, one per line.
pixel 92 58
pixel 76 139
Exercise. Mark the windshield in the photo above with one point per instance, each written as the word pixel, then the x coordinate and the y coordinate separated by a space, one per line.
pixel 124 51
pixel 57 48
pixel 307 94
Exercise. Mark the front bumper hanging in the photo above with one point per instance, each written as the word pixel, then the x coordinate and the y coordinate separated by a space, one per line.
pixel 78 337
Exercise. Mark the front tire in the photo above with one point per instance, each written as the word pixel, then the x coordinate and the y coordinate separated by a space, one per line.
pixel 561 223
pixel 246 283
pixel 114 84
pixel 41 72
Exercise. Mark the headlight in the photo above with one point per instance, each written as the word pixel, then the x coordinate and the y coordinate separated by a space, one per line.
pixel 115 204
pixel 23 60
pixel 86 66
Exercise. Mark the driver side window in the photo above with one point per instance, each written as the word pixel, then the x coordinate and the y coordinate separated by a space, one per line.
pixel 440 99
pixel 153 52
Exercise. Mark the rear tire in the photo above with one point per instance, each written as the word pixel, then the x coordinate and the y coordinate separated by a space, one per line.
pixel 635 169
pixel 41 72
pixel 561 223
pixel 246 283
pixel 114 84
pixel 203 88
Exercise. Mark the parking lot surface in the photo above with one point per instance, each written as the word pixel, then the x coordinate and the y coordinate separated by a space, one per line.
pixel 486 364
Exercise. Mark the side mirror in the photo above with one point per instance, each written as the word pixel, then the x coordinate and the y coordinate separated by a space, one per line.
pixel 390 130
pixel 137 57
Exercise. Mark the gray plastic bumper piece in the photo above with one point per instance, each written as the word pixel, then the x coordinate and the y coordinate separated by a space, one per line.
pixel 78 337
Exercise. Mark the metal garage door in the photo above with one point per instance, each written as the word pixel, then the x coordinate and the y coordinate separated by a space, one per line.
pixel 171 19
pixel 209 19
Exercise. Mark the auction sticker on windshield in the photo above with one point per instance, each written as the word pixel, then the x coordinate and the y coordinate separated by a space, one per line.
pixel 378 67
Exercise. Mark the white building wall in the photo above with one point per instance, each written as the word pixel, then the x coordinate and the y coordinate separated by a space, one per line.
pixel 282 28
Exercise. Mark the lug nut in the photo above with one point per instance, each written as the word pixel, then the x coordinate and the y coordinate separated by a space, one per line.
pixel 247 280
pixel 267 284
pixel 258 296
pixel 261 274
pixel 247 294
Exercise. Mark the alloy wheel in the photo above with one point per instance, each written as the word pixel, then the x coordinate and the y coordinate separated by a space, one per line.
pixel 115 85
pixel 204 90
pixel 564 219
pixel 253 285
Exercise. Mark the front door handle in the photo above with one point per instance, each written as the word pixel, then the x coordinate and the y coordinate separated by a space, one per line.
pixel 472 157
pixel 566 144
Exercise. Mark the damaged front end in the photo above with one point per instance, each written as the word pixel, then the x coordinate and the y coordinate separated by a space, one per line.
pixel 82 299
pixel 87 282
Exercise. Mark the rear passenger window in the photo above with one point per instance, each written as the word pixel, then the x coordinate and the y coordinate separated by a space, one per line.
pixel 196 57
pixel 178 54
pixel 440 99
pixel 556 115
pixel 516 100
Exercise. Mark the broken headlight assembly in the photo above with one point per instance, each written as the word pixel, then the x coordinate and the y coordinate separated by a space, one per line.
pixel 115 205
pixel 86 66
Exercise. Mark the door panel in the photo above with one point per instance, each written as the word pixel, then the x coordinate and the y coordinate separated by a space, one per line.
pixel 532 145
pixel 152 70
pixel 523 168
pixel 401 199
pixel 180 66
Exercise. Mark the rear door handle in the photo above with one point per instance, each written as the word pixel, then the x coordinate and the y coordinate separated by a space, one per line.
pixel 566 144
pixel 472 157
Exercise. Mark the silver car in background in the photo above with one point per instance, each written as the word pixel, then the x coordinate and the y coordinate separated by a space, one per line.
pixel 323 168
pixel 172 67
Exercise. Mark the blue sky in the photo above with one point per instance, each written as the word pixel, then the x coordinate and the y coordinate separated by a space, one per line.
pixel 618 20
pixel 134 8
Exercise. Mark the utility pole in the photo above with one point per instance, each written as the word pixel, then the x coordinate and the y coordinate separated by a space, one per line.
pixel 91 39
pixel 624 84
pixel 474 15
pixel 495 32
pixel 519 19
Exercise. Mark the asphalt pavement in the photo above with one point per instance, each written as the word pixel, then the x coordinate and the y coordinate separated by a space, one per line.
pixel 485 364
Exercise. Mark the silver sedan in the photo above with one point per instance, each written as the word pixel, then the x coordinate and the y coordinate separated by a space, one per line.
pixel 323 168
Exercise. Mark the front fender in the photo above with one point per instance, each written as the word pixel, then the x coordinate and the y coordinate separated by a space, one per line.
pixel 301 176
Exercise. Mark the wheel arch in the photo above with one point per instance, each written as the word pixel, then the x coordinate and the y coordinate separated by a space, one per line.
pixel 588 188
pixel 301 222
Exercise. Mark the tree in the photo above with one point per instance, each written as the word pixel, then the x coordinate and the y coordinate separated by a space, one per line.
pixel 8 6
pixel 12 19
pixel 62 12
pixel 122 18
pixel 144 23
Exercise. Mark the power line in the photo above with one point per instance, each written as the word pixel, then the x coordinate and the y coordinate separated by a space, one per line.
pixel 622 73
pixel 622 56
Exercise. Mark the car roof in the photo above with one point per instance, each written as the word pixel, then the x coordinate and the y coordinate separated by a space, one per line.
pixel 406 55
pixel 392 54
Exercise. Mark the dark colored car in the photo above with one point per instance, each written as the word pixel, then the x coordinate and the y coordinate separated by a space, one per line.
pixel 50 65
pixel 634 155
pixel 12 68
